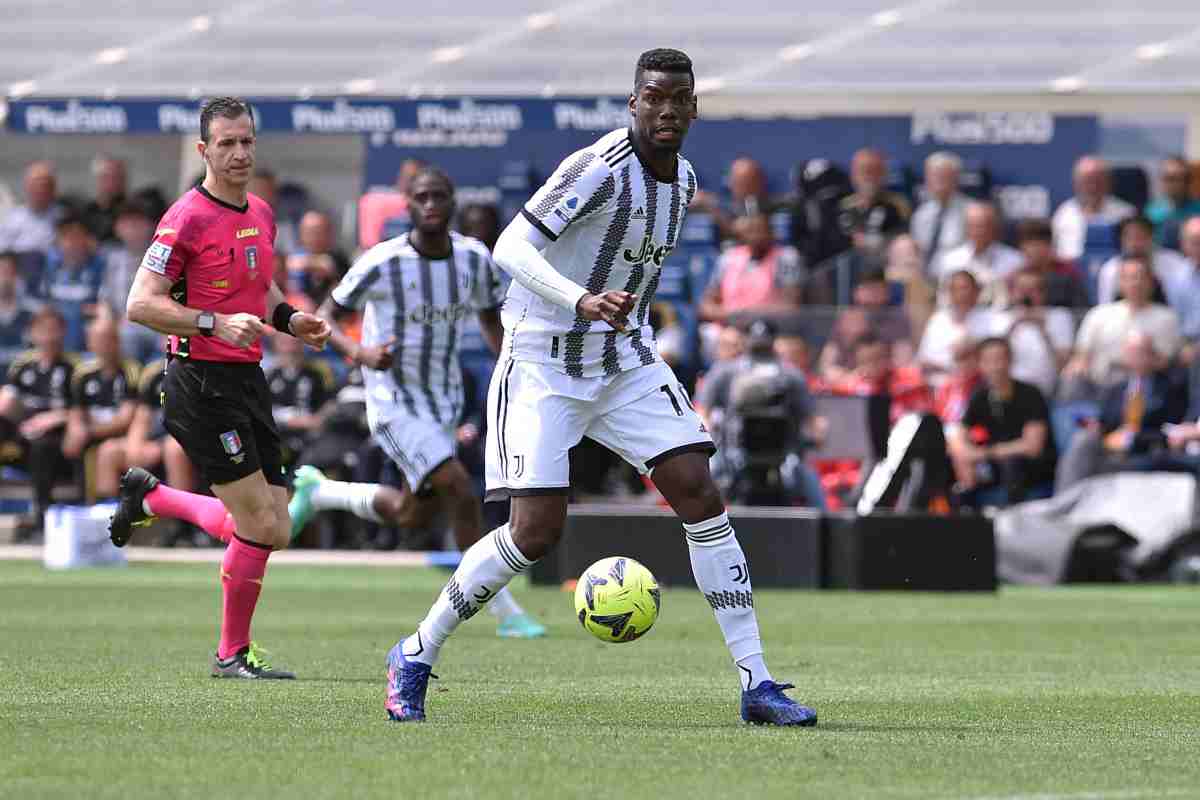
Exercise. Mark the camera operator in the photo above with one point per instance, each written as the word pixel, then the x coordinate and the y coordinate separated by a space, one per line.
pixel 759 410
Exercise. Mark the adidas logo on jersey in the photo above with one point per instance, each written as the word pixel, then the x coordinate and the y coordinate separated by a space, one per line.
pixel 640 213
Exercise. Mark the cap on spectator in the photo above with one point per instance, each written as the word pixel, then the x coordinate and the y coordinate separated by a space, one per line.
pixel 761 333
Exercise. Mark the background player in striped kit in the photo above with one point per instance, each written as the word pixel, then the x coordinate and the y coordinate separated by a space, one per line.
pixel 579 358
pixel 416 290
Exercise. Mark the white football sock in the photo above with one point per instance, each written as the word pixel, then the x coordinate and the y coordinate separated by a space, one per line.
pixel 357 498
pixel 485 569
pixel 504 605
pixel 723 576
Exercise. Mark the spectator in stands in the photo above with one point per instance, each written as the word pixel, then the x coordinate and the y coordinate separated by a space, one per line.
pixel 111 185
pixel 951 399
pixel 871 313
pixel 73 276
pixel 34 405
pixel 759 276
pixel 134 228
pixel 1137 239
pixel 1064 284
pixel 1186 297
pixel 731 344
pixel 481 221
pixel 747 183
pixel 1129 433
pixel 1095 361
pixel 15 312
pixel 962 316
pixel 875 373
pixel 1175 205
pixel 939 224
pixel 1039 337
pixel 759 409
pixel 300 388
pixel 103 392
pixel 146 443
pixel 317 264
pixel 794 350
pixel 1003 452
pixel 265 184
pixel 906 267
pixel 1091 205
pixel 1002 449
pixel 983 254
pixel 872 215
pixel 29 229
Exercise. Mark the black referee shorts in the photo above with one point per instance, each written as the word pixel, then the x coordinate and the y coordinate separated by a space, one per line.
pixel 220 413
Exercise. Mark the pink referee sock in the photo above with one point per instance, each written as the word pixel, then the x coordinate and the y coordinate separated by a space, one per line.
pixel 201 510
pixel 242 572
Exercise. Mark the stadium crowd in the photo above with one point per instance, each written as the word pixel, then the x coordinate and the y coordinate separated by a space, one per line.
pixel 1050 350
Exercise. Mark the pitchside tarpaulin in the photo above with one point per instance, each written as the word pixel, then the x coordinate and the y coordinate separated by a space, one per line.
pixel 492 143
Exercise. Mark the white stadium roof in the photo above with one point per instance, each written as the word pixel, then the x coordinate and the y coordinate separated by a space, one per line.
pixel 290 48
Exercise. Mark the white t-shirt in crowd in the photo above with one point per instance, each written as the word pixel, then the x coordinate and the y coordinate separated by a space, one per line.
pixel 1035 361
pixel 1070 224
pixel 943 330
pixel 1106 327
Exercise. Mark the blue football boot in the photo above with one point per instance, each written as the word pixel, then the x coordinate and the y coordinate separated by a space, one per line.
pixel 766 704
pixel 407 683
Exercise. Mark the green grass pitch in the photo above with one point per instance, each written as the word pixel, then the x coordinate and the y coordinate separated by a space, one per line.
pixel 1057 694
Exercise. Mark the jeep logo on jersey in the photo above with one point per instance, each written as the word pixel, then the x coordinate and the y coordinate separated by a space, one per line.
pixel 647 253
pixel 428 315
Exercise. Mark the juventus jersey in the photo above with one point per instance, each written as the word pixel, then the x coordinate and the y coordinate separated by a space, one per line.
pixel 102 395
pixel 420 303
pixel 611 224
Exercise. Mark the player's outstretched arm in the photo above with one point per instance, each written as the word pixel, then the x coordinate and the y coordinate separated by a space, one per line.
pixel 150 304
pixel 378 357
pixel 518 252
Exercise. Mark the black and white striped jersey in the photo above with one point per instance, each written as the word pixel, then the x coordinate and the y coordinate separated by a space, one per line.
pixel 611 224
pixel 420 303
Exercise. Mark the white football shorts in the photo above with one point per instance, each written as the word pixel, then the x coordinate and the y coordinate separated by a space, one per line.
pixel 417 445
pixel 537 413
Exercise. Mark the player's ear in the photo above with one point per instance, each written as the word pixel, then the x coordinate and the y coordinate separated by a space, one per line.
pixel 200 148
pixel 633 104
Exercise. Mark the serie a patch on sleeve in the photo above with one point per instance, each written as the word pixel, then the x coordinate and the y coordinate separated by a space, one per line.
pixel 156 257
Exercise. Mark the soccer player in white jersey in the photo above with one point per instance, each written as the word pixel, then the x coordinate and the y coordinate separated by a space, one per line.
pixel 416 290
pixel 579 359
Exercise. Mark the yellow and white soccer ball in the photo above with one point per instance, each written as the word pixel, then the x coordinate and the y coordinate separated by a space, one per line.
pixel 617 599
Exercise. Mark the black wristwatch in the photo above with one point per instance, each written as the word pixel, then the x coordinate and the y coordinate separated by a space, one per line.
pixel 206 323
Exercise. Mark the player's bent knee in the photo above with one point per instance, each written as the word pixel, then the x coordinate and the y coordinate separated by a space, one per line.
pixel 451 480
pixel 537 523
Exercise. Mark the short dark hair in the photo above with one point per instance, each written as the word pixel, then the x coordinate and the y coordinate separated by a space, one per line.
pixel 225 107
pixel 48 311
pixel 868 340
pixel 1137 219
pixel 70 219
pixel 662 59
pixel 432 172
pixel 996 341
pixel 1034 229
pixel 873 275
pixel 136 206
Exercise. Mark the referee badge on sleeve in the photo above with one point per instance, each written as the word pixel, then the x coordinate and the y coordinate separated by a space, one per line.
pixel 232 443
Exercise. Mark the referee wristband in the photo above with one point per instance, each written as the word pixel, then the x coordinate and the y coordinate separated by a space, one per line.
pixel 282 317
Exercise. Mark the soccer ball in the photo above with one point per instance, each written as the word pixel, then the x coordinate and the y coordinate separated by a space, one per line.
pixel 617 599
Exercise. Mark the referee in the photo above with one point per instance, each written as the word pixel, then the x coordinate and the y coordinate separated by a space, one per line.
pixel 206 282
